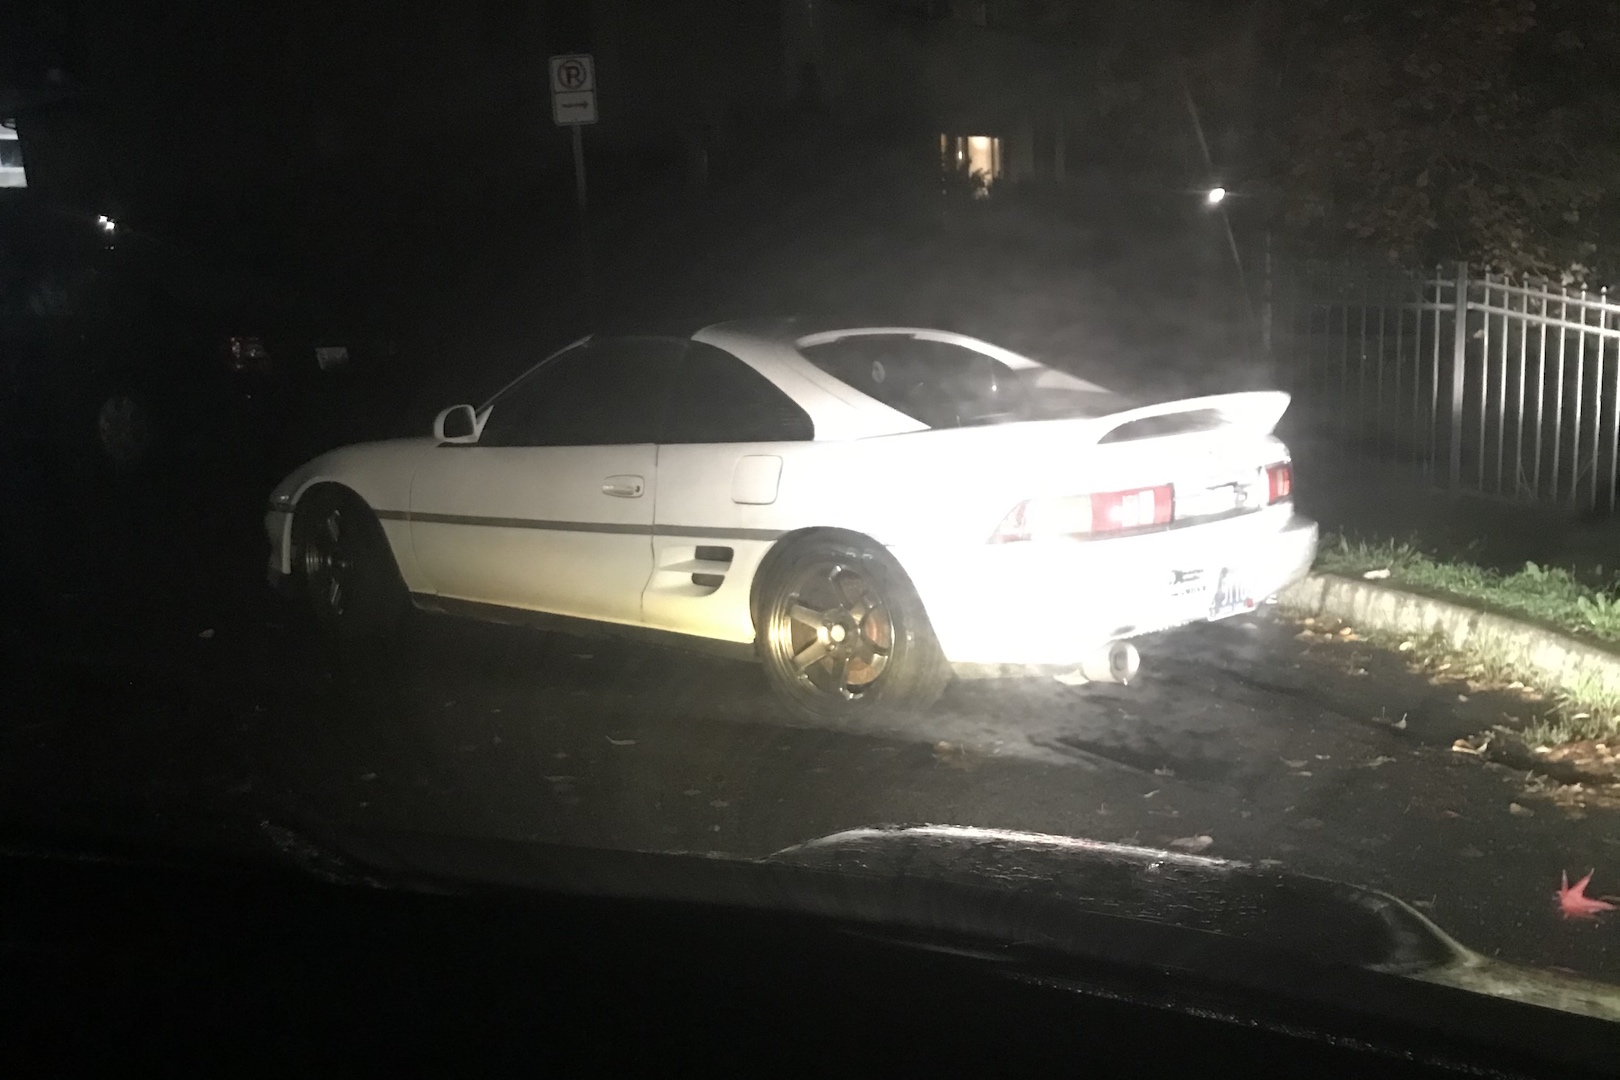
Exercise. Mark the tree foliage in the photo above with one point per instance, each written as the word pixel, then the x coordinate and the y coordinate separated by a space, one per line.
pixel 1473 129
pixel 1486 130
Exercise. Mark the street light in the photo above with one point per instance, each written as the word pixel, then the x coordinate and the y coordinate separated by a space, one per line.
pixel 1215 196
pixel 108 225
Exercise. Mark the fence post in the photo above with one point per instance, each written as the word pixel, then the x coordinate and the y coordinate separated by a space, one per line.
pixel 1459 361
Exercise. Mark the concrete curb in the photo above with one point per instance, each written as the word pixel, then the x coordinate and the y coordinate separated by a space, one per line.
pixel 1545 658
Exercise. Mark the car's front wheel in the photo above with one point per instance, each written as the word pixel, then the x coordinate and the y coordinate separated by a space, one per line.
pixel 350 580
pixel 126 431
pixel 842 632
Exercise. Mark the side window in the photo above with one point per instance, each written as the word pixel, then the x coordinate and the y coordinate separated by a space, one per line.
pixel 717 398
pixel 604 393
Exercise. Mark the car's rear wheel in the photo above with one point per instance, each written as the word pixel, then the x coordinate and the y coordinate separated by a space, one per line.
pixel 350 580
pixel 125 430
pixel 842 632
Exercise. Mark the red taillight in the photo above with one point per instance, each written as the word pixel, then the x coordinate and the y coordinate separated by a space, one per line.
pixel 1087 515
pixel 1139 509
pixel 1279 482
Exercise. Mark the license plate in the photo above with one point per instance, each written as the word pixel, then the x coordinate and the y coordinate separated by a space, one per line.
pixel 1230 597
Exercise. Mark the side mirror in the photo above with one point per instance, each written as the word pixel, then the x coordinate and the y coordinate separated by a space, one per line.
pixel 457 424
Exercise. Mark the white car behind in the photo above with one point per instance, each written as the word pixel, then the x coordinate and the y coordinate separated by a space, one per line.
pixel 863 509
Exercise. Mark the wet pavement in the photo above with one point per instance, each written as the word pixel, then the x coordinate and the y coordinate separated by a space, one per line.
pixel 155 684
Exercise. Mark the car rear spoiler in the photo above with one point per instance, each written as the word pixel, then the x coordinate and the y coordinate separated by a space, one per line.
pixel 1256 411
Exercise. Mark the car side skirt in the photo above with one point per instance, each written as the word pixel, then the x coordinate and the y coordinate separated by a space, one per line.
pixel 567 624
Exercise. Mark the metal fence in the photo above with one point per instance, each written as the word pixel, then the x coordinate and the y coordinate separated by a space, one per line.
pixel 1523 403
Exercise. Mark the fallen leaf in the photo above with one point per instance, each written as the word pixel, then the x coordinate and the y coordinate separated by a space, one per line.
pixel 1164 770
pixel 1450 814
pixel 1471 852
pixel 719 804
pixel 1376 575
pixel 620 742
pixel 1346 632
pixel 1406 646
pixel 1519 810
pixel 206 635
pixel 1462 697
pixel 1573 902
pixel 1196 844
pixel 1300 764
pixel 1461 746
pixel 1381 759
pixel 954 756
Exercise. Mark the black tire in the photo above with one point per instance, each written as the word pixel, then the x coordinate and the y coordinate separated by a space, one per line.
pixel 125 431
pixel 345 570
pixel 842 633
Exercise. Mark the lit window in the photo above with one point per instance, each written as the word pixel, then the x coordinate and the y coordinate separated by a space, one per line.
pixel 978 157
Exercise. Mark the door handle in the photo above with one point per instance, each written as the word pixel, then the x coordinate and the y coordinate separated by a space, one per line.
pixel 624 487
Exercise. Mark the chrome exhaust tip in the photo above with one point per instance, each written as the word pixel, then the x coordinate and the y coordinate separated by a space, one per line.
pixel 1117 662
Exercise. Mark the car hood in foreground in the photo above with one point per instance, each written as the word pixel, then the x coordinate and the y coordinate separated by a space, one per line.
pixel 1231 923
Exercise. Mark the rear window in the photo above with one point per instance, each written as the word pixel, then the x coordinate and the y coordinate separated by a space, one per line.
pixel 945 385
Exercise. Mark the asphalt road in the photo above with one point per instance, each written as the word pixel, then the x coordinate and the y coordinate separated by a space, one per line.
pixel 154 685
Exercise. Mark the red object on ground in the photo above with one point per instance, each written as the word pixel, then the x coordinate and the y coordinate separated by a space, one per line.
pixel 1575 904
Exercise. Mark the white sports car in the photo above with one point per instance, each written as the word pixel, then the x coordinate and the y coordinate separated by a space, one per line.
pixel 864 509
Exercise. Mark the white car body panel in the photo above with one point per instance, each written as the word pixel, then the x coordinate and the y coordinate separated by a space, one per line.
pixel 380 473
pixel 549 535
pixel 531 528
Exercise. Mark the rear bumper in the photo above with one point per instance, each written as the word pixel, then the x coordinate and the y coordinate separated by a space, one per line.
pixel 1053 604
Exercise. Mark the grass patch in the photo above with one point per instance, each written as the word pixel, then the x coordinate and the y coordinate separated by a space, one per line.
pixel 1548 718
pixel 1562 726
pixel 1548 594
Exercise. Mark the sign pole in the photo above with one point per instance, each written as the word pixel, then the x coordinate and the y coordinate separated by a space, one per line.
pixel 579 170
pixel 573 104
pixel 586 256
